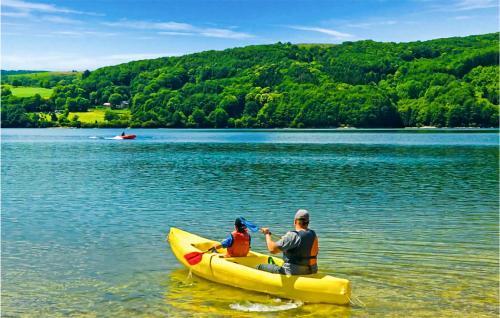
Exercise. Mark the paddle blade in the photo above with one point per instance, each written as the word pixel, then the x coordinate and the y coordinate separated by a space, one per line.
pixel 193 258
pixel 252 227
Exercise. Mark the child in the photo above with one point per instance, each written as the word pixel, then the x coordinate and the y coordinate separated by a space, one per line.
pixel 238 242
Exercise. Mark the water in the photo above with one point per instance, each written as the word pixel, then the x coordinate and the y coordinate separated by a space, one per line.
pixel 409 216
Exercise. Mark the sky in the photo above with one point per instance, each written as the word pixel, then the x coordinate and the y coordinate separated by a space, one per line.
pixel 88 34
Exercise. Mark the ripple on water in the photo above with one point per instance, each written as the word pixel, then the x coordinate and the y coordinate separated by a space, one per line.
pixel 255 307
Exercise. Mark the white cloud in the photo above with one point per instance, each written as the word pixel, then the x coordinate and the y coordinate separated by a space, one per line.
pixel 464 5
pixel 34 6
pixel 81 33
pixel 11 34
pixel 60 20
pixel 145 25
pixel 25 6
pixel 15 14
pixel 63 34
pixel 176 26
pixel 143 37
pixel 13 24
pixel 176 33
pixel 181 29
pixel 366 25
pixel 333 33
pixel 224 34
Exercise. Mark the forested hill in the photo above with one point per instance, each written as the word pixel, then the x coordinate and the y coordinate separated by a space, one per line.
pixel 445 82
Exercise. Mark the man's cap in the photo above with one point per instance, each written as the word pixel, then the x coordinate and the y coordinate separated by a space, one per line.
pixel 302 214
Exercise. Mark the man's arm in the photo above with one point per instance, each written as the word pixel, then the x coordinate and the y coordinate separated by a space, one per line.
pixel 271 246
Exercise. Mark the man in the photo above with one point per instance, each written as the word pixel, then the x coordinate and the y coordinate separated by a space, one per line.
pixel 300 248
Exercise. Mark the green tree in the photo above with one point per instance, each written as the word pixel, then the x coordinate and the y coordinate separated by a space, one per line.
pixel 115 99
pixel 71 105
pixel 178 119
pixel 231 105
pixel 6 91
pixel 110 115
pixel 60 103
pixel 85 74
pixel 75 122
pixel 198 117
pixel 93 98
pixel 218 118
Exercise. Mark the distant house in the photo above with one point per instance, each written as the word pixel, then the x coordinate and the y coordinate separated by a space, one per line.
pixel 106 104
pixel 122 105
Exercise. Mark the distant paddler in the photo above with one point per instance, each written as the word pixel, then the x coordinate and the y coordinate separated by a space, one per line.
pixel 300 248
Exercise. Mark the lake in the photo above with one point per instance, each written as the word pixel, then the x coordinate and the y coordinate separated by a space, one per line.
pixel 409 216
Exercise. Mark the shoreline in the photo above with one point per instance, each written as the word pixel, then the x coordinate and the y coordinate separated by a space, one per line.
pixel 341 130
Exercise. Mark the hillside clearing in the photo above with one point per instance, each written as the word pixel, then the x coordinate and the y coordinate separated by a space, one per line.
pixel 27 91
pixel 96 115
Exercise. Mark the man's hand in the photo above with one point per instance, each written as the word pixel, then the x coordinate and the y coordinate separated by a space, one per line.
pixel 265 230
pixel 271 246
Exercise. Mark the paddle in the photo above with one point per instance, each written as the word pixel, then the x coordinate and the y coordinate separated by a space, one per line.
pixel 252 227
pixel 194 258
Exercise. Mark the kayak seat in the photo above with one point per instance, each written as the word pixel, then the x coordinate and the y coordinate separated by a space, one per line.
pixel 253 260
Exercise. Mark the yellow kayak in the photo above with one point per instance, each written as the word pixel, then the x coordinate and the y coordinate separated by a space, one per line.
pixel 241 272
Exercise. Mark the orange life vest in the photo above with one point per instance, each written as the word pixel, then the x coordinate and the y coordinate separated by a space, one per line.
pixel 241 244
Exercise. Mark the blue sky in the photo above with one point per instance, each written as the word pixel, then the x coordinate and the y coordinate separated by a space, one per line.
pixel 85 34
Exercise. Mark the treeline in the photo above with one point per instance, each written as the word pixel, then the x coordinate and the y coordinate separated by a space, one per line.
pixel 17 72
pixel 39 79
pixel 445 82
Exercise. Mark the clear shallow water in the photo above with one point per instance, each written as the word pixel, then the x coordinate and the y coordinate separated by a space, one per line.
pixel 410 217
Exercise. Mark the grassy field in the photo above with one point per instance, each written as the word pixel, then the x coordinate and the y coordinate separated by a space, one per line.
pixel 26 91
pixel 96 114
